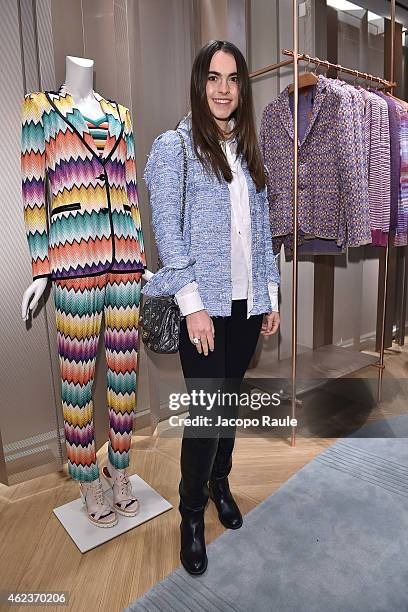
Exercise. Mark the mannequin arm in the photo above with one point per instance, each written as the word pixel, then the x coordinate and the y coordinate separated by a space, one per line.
pixel 32 296
pixel 33 293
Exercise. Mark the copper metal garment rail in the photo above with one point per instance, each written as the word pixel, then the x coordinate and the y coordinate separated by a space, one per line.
pixel 257 73
pixel 380 363
pixel 319 62
pixel 270 68
pixel 295 213
pixel 357 73
pixel 296 57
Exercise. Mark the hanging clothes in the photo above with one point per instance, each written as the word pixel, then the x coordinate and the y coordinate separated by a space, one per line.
pixel 401 234
pixel 377 139
pixel 395 158
pixel 307 245
pixel 352 168
pixel 358 112
pixel 332 174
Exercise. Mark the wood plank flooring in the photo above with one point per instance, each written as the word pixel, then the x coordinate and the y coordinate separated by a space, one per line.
pixel 36 554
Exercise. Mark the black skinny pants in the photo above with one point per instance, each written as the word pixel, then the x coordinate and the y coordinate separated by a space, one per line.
pixel 209 455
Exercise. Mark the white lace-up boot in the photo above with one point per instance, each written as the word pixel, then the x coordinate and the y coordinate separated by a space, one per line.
pixel 99 511
pixel 124 501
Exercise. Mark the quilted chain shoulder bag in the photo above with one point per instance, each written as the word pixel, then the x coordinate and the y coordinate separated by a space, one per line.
pixel 160 316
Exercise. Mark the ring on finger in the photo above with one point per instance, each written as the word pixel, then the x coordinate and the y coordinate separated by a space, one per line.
pixel 196 340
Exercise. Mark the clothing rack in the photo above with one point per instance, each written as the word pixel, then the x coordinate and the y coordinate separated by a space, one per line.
pixel 295 58
pixel 380 364
pixel 357 73
pixel 326 64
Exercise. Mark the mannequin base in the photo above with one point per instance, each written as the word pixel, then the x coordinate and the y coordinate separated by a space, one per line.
pixel 87 536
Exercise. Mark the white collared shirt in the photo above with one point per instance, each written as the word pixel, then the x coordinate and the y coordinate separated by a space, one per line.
pixel 188 298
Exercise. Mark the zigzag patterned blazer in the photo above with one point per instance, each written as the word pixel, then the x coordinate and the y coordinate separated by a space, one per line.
pixel 93 225
pixel 332 170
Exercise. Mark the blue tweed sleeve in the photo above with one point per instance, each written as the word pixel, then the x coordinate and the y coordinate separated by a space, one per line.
pixel 164 179
pixel 272 270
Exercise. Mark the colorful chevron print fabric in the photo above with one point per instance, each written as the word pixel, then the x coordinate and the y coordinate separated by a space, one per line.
pixel 94 222
pixel 99 131
pixel 80 304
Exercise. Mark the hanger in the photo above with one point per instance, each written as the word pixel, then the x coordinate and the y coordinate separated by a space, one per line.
pixel 354 82
pixel 306 79
pixel 403 102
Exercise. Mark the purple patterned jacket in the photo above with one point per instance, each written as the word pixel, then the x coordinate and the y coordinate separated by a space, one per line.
pixel 332 186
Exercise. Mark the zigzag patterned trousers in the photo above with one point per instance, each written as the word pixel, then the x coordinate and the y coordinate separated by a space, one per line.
pixel 80 304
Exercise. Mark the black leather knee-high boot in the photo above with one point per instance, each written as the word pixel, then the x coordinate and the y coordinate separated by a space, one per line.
pixel 197 457
pixel 219 491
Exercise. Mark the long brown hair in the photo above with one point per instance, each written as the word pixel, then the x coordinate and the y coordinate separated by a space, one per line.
pixel 205 131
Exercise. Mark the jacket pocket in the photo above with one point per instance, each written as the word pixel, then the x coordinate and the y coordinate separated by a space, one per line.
pixel 58 209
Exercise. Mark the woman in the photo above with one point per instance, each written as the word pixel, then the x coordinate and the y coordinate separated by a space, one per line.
pixel 221 269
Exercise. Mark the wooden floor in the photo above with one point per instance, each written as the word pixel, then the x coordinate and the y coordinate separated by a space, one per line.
pixel 36 554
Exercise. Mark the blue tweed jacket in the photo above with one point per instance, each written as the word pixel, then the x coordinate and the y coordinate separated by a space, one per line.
pixel 203 252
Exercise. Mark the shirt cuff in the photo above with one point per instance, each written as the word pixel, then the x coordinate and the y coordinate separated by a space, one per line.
pixel 147 275
pixel 189 299
pixel 273 294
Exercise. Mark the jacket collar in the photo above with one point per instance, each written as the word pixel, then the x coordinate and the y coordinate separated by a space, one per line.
pixel 185 123
pixel 185 126
pixel 64 104
pixel 285 114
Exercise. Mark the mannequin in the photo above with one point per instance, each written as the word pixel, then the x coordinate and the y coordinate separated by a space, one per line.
pixel 90 245
pixel 79 83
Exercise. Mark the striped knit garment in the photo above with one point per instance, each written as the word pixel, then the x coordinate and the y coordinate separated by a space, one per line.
pixel 401 235
pixel 99 130
pixel 377 141
pixel 80 304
